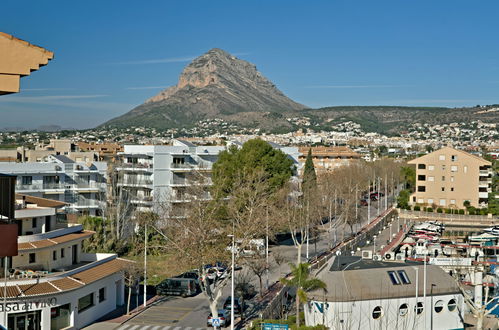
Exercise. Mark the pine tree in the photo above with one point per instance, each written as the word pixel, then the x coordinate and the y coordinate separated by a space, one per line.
pixel 309 182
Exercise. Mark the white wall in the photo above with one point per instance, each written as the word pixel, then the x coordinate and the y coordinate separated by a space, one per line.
pixel 358 315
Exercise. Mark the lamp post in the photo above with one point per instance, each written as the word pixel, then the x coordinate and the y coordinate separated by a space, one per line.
pixel 431 307
pixel 232 286
pixel 145 265
pixel 374 245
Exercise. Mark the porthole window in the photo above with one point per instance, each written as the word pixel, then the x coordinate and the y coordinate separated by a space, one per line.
pixel 377 312
pixel 419 308
pixel 403 309
pixel 452 305
pixel 439 306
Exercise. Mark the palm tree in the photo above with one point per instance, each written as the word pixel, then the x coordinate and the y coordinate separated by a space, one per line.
pixel 303 283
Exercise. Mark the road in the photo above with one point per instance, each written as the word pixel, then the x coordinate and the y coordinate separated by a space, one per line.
pixel 191 313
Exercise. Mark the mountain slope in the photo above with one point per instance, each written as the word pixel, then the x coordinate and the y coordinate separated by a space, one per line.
pixel 214 85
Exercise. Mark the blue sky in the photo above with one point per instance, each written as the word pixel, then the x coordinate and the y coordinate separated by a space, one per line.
pixel 112 55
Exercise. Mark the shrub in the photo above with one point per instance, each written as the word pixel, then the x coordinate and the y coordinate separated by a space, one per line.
pixel 417 208
pixel 448 211
pixel 439 210
pixel 429 209
pixel 461 211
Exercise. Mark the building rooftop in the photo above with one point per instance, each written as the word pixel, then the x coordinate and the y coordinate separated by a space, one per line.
pixel 63 159
pixel 354 279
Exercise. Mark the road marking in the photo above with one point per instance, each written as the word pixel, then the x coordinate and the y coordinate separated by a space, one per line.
pixel 177 328
pixel 145 327
pixel 157 327
pixel 166 328
pixel 188 328
pixel 134 327
pixel 123 327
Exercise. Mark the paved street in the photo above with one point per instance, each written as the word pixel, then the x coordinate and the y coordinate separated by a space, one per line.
pixel 174 313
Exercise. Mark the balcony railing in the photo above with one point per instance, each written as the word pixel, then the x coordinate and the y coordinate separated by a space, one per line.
pixel 43 186
pixel 136 165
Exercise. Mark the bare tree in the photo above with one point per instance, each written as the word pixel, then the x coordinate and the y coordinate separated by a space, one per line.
pixel 258 266
pixel 279 259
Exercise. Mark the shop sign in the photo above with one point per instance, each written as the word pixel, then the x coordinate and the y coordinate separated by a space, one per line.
pixel 28 305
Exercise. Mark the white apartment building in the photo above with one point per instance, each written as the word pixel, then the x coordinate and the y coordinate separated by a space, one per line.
pixel 156 176
pixel 81 185
pixel 368 294
pixel 51 283
pixel 166 177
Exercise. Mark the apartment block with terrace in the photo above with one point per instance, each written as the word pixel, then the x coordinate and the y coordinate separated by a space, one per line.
pixel 81 185
pixel 165 177
pixel 448 177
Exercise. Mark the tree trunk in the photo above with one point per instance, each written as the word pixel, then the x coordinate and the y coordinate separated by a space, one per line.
pixel 261 286
pixel 298 257
pixel 129 299
pixel 297 310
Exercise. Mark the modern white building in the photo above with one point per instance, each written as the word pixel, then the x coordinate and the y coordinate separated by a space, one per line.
pixel 154 175
pixel 168 176
pixel 82 186
pixel 367 294
pixel 51 283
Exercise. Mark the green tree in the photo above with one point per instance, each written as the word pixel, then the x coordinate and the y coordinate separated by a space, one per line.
pixel 309 183
pixel 300 279
pixel 403 199
pixel 234 165
pixel 409 176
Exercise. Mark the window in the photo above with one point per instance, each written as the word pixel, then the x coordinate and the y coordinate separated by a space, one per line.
pixel 32 258
pixel 442 202
pixel 453 168
pixel 430 200
pixel 403 276
pixel 54 255
pixel 102 294
pixel 451 305
pixel 441 157
pixel 439 306
pixel 85 302
pixel 420 201
pixel 453 202
pixel 453 158
pixel 443 177
pixel 62 253
pixel 443 188
pixel 418 308
pixel 377 312
pixel 431 167
pixel 421 166
pixel 451 188
pixel 421 188
pixel 421 177
pixel 451 179
pixel 431 178
pixel 465 169
pixel 394 278
pixel 33 223
pixel 27 180
pixel 443 167
pixel 403 309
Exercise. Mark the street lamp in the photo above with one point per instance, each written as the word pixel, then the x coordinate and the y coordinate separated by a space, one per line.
pixel 374 245
pixel 232 286
pixel 431 309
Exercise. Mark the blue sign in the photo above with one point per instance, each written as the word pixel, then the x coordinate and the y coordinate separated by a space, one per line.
pixel 274 326
pixel 215 322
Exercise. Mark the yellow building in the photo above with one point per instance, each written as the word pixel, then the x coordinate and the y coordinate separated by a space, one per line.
pixel 448 177
pixel 18 58
pixel 328 158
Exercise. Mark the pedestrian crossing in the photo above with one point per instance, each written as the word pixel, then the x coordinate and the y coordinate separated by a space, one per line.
pixel 154 327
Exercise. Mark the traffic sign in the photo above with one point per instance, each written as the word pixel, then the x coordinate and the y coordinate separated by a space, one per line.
pixel 215 322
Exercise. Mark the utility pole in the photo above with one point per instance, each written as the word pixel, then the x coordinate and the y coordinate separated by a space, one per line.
pixel 308 224
pixel 369 202
pixel 145 265
pixel 267 250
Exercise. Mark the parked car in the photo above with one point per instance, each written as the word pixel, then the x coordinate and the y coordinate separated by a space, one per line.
pixel 224 317
pixel 238 305
pixel 363 202
pixel 178 287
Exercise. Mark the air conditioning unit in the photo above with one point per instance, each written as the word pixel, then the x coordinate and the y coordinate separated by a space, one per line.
pixel 389 256
pixel 400 257
pixel 377 257
pixel 367 254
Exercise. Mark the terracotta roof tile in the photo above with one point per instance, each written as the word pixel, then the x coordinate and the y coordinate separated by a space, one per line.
pixel 54 241
pixel 37 288
pixel 66 284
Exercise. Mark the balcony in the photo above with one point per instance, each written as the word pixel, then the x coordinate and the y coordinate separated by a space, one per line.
pixel 187 167
pixel 50 234
pixel 136 183
pixel 143 167
pixel 485 172
pixel 88 203
pixel 148 200
pixel 39 187
pixel 88 186
pixel 483 195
